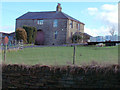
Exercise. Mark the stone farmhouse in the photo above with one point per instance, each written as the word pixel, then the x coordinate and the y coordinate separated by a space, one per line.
pixel 53 27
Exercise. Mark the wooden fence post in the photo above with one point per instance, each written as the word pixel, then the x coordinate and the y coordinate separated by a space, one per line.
pixel 74 54
pixel 5 43
pixel 4 53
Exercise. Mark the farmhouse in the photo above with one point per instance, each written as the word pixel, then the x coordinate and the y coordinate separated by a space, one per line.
pixel 53 27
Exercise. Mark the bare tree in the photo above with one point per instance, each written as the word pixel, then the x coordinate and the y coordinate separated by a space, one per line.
pixel 112 30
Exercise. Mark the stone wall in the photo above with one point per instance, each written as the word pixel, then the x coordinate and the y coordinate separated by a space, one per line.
pixel 71 31
pixel 21 76
pixel 64 30
pixel 48 29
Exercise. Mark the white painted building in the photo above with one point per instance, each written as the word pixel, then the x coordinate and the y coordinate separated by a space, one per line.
pixel 100 38
pixel 105 38
pixel 93 39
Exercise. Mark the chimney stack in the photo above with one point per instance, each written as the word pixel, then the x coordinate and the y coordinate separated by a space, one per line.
pixel 59 8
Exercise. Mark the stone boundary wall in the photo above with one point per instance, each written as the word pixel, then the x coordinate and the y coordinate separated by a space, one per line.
pixel 47 77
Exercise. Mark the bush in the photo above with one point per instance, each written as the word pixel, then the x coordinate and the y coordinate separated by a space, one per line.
pixel 76 38
pixel 21 35
pixel 34 34
pixel 31 33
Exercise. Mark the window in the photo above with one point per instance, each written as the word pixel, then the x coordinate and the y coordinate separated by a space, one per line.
pixel 55 23
pixel 56 33
pixel 71 34
pixel 71 24
pixel 40 22
pixel 78 26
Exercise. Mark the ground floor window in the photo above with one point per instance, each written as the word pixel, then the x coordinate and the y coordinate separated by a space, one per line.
pixel 55 34
pixel 71 34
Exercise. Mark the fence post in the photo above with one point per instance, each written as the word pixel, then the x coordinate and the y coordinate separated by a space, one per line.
pixel 4 53
pixel 5 43
pixel 74 54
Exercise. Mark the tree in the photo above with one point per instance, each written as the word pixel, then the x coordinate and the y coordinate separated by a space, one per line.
pixel 21 35
pixel 112 30
pixel 86 37
pixel 31 33
pixel 34 34
pixel 76 38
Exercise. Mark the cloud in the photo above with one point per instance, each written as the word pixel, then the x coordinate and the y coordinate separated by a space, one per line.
pixel 109 7
pixel 92 11
pixel 7 29
pixel 101 31
pixel 91 31
pixel 107 14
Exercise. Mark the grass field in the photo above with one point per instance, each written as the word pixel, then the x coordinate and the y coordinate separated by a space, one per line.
pixel 63 55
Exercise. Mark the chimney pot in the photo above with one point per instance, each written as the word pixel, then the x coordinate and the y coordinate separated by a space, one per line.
pixel 59 8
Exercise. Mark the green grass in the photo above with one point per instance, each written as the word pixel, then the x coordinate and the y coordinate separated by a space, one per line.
pixel 63 55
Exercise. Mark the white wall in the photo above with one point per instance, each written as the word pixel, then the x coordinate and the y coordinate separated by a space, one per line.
pixel 106 38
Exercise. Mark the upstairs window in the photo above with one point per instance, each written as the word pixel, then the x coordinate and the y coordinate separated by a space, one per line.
pixel 40 22
pixel 55 23
pixel 78 26
pixel 71 24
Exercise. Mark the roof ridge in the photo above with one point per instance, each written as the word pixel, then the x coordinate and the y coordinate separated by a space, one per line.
pixel 69 17
pixel 42 12
pixel 64 14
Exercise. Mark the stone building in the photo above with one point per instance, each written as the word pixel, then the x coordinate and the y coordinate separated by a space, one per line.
pixel 54 27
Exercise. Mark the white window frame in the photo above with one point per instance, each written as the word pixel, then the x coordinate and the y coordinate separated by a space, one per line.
pixel 55 23
pixel 40 22
pixel 78 26
pixel 55 34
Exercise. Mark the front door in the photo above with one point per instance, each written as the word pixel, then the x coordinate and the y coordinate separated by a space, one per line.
pixel 39 38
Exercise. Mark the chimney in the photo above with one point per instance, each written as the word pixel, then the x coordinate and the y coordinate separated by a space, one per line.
pixel 59 8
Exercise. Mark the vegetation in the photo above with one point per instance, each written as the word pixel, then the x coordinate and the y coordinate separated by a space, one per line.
pixel 34 34
pixel 76 38
pixel 44 76
pixel 63 55
pixel 31 33
pixel 21 35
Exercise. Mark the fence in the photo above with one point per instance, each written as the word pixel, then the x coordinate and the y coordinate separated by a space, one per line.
pixel 62 55
pixel 60 67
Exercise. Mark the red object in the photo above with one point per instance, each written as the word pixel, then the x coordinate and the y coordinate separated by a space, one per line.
pixel 5 42
pixel 40 37
pixel 59 4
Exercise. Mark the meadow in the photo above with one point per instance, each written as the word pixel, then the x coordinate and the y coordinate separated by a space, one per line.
pixel 63 55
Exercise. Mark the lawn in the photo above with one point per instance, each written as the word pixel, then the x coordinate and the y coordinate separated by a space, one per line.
pixel 63 55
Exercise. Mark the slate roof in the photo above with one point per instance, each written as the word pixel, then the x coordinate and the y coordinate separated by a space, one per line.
pixel 83 33
pixel 47 15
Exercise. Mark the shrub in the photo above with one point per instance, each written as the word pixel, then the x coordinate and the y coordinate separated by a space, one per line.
pixel 31 33
pixel 34 34
pixel 76 38
pixel 21 35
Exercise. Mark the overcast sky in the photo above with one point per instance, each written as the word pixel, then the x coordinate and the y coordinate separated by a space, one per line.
pixel 98 17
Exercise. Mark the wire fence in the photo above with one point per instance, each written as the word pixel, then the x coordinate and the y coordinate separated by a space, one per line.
pixel 61 55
